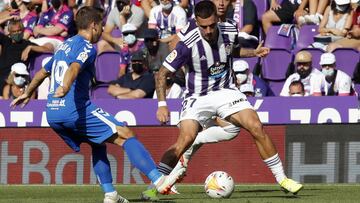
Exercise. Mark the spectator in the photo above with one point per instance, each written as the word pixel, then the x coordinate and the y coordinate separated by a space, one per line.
pixel 249 24
pixel 147 5
pixel 173 90
pixel 244 76
pixel 55 25
pixel 131 45
pixel 296 89
pixel 124 12
pixel 352 39
pixel 248 90
pixel 281 13
pixel 155 55
pixel 168 19
pixel 16 82
pixel 337 82
pixel 27 15
pixel 137 84
pixel 314 14
pixel 15 49
pixel 335 24
pixel 312 78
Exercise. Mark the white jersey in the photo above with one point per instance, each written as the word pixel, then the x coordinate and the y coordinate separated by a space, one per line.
pixel 343 84
pixel 313 83
pixel 207 68
pixel 167 25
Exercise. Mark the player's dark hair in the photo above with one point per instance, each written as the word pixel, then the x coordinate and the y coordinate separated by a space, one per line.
pixel 87 15
pixel 205 9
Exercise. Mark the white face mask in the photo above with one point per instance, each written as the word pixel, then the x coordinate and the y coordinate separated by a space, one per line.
pixel 297 95
pixel 241 78
pixel 166 7
pixel 19 81
pixel 327 72
pixel 130 39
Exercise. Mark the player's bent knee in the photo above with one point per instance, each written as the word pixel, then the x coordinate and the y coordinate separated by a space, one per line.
pixel 124 132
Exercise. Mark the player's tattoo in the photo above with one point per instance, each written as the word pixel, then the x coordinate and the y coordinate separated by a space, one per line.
pixel 161 83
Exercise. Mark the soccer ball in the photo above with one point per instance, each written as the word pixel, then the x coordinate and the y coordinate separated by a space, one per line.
pixel 219 184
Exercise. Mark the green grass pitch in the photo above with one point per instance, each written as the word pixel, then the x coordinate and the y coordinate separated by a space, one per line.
pixel 316 193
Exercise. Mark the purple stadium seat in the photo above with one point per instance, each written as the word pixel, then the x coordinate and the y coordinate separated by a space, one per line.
pixel 251 61
pixel 107 66
pixel 315 53
pixel 275 65
pixel 306 36
pixel 261 6
pixel 274 40
pixel 36 62
pixel 346 60
pixel 116 33
pixel 100 92
pixel 276 86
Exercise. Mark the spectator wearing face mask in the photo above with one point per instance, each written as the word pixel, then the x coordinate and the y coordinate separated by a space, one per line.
pixel 15 49
pixel 124 13
pixel 17 82
pixel 137 84
pixel 244 76
pixel 312 78
pixel 296 89
pixel 27 14
pixel 168 19
pixel 55 25
pixel 337 83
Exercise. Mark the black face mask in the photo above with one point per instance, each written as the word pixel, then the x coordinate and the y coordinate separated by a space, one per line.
pixel 152 48
pixel 120 5
pixel 14 5
pixel 303 73
pixel 56 4
pixel 137 68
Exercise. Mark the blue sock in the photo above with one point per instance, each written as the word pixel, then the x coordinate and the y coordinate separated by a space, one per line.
pixel 141 159
pixel 102 169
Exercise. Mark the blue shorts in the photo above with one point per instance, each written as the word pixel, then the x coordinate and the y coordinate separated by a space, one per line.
pixel 93 127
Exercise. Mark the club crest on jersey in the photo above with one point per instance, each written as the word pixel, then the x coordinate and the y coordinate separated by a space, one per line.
pixel 170 58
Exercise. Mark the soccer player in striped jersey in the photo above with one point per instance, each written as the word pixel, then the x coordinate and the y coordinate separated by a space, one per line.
pixel 207 53
pixel 72 115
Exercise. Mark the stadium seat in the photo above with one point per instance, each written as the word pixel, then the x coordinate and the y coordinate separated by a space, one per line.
pixel 261 7
pixel 316 54
pixel 100 92
pixel 36 61
pixel 346 60
pixel 275 64
pixel 276 86
pixel 306 36
pixel 274 40
pixel 107 66
pixel 116 33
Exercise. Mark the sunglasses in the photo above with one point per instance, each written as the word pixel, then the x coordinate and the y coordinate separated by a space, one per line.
pixel 20 75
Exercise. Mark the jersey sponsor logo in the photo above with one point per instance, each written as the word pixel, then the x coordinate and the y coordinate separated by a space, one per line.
pixel 217 70
pixel 171 57
pixel 237 101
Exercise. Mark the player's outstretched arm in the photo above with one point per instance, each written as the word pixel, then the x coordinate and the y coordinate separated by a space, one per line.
pixel 70 75
pixel 162 113
pixel 260 51
pixel 35 82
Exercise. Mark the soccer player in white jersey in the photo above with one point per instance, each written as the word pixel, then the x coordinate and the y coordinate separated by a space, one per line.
pixel 312 78
pixel 207 52
pixel 337 82
pixel 72 115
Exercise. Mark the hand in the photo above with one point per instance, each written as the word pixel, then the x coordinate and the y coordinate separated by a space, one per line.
pixel 22 99
pixel 261 51
pixel 25 53
pixel 119 41
pixel 36 31
pixel 275 6
pixel 60 92
pixel 162 114
pixel 126 10
pixel 299 12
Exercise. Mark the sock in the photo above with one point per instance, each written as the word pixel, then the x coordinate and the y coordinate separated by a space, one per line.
pixel 101 167
pixel 164 168
pixel 275 165
pixel 217 134
pixel 141 159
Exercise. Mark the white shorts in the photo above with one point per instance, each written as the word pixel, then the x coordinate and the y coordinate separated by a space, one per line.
pixel 221 103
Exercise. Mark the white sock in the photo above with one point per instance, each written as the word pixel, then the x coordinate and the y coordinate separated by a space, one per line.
pixel 111 194
pixel 157 181
pixel 216 134
pixel 275 165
